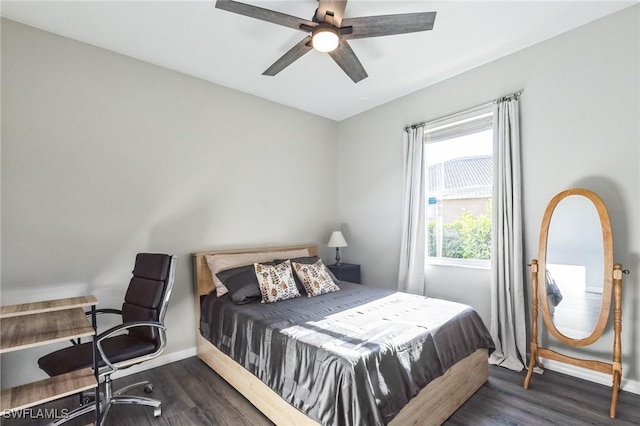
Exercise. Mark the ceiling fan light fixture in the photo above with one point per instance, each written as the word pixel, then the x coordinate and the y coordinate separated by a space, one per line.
pixel 325 38
pixel 328 32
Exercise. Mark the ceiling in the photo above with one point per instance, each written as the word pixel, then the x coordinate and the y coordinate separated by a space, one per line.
pixel 195 38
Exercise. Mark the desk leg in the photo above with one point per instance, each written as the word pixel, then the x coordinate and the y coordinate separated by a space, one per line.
pixel 94 323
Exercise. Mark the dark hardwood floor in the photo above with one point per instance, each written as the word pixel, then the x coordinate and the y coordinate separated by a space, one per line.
pixel 192 394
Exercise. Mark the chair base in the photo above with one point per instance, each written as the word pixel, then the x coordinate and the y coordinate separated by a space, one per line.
pixel 107 399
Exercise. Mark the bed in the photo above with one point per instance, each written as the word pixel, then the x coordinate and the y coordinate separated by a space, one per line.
pixel 350 332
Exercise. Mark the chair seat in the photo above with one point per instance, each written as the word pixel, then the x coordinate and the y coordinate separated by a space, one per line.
pixel 117 348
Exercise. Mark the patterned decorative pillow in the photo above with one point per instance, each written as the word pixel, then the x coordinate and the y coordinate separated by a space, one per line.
pixel 307 260
pixel 276 282
pixel 315 278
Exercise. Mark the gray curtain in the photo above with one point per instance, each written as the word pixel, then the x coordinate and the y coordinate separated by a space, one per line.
pixel 508 326
pixel 412 251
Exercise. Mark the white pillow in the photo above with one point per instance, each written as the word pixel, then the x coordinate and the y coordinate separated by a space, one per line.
pixel 276 282
pixel 315 278
pixel 222 262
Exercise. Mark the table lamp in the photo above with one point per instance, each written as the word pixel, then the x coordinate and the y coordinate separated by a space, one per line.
pixel 337 240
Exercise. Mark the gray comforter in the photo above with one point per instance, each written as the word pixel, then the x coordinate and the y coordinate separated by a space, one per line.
pixel 353 357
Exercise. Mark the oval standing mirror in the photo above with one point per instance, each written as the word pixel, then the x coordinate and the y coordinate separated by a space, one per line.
pixel 575 251
pixel 573 280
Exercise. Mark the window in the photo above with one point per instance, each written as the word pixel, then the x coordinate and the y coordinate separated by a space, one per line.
pixel 459 156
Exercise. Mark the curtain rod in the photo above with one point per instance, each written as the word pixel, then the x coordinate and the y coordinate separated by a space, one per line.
pixel 504 98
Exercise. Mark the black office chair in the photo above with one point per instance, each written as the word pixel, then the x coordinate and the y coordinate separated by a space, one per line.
pixel 139 338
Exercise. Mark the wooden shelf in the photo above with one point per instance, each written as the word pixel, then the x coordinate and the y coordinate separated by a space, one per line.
pixel 46 390
pixel 40 329
pixel 46 306
pixel 33 324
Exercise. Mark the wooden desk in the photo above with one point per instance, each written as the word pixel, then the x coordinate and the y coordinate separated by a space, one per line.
pixel 34 324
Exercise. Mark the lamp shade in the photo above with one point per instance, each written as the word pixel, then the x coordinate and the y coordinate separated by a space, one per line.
pixel 337 240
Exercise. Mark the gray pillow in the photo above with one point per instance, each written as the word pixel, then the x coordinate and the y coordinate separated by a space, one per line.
pixel 242 283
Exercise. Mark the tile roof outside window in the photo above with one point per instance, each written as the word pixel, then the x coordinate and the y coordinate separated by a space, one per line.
pixel 464 177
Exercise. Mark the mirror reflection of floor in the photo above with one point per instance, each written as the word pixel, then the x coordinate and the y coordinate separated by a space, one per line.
pixel 576 316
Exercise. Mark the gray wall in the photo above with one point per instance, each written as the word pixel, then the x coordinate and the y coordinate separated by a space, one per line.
pixel 104 156
pixel 580 114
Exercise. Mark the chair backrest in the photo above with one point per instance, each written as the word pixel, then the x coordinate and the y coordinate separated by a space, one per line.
pixel 148 294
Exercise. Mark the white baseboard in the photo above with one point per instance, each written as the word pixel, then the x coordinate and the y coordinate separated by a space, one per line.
pixel 627 385
pixel 156 362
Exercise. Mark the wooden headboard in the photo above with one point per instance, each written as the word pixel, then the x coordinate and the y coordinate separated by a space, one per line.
pixel 202 276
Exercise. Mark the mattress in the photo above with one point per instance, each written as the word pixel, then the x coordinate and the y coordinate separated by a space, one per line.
pixel 352 357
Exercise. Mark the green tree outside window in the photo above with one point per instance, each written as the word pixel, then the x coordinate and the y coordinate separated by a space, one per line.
pixel 467 237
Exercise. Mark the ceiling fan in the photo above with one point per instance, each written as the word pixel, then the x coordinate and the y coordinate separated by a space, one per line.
pixel 329 32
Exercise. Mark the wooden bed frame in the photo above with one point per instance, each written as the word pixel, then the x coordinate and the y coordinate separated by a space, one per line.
pixel 432 406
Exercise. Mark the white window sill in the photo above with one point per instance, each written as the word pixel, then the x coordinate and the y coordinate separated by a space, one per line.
pixel 461 263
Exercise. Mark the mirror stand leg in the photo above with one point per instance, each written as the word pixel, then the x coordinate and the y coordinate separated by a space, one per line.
pixel 533 362
pixel 614 394
pixel 617 332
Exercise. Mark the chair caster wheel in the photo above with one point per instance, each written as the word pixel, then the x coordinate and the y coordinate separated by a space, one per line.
pixel 148 388
pixel 157 412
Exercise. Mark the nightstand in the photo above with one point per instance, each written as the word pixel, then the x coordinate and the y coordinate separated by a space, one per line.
pixel 346 272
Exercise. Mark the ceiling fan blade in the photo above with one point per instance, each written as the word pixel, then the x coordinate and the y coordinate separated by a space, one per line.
pixel 376 26
pixel 348 61
pixel 295 53
pixel 264 14
pixel 334 6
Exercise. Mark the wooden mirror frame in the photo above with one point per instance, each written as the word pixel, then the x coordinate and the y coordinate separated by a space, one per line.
pixel 612 284
pixel 607 245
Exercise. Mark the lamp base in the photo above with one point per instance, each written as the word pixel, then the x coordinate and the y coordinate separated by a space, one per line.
pixel 338 256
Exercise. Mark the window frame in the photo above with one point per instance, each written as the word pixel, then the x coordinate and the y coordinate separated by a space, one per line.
pixel 471 121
